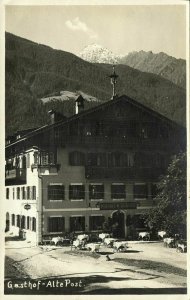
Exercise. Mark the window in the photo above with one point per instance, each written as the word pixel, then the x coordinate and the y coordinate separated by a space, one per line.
pixel 28 160
pixel 13 193
pixel 33 224
pixel 96 222
pixel 23 193
pixel 115 159
pixel 76 158
pixel 76 192
pixel 35 158
pixel 18 193
pixel 130 159
pixel 47 158
pixel 97 159
pixel 34 193
pixel 92 159
pixel 77 223
pixel 56 224
pixel 7 193
pixel 13 220
pixel 140 191
pixel 24 162
pixel 118 191
pixel 51 158
pixel 17 162
pixel 23 220
pixel 18 221
pixel 44 158
pixel 96 191
pixel 28 223
pixel 56 192
pixel 28 192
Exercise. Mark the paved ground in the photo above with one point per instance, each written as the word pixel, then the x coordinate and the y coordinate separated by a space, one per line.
pixel 123 271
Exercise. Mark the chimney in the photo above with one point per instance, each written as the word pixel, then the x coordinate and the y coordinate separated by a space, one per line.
pixel 55 116
pixel 79 105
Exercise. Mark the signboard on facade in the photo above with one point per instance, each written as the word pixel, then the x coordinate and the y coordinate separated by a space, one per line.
pixel 27 206
pixel 118 205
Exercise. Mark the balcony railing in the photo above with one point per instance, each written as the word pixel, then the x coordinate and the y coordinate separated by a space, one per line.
pixel 16 173
pixel 45 166
pixel 92 172
pixel 113 141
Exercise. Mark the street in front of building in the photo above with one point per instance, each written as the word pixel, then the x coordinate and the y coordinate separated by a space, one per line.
pixel 145 266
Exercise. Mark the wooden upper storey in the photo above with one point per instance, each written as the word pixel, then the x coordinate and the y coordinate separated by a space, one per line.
pixel 119 123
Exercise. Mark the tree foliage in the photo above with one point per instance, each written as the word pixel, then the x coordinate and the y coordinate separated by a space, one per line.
pixel 170 213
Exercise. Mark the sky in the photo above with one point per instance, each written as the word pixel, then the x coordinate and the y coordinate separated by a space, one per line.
pixel 120 28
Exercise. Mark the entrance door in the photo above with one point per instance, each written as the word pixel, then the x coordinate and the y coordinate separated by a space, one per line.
pixel 7 228
pixel 118 227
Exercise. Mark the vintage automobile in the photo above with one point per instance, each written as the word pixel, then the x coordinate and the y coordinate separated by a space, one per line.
pixel 181 246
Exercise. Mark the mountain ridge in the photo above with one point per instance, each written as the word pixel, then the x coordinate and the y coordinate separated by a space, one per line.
pixel 160 63
pixel 34 71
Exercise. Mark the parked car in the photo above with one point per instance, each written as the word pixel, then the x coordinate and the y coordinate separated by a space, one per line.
pixel 181 246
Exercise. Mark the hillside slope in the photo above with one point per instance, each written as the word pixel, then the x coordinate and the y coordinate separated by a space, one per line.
pixel 34 71
pixel 161 64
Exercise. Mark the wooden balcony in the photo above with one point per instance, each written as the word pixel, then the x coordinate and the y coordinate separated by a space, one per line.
pixel 106 141
pixel 17 175
pixel 115 142
pixel 48 167
pixel 93 172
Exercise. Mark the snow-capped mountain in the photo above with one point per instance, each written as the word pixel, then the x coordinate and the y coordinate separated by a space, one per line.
pixel 146 61
pixel 97 54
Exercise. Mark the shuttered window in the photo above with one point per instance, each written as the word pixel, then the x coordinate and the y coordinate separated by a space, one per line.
pixel 140 191
pixel 76 192
pixel 118 191
pixel 56 192
pixel 96 222
pixel 96 191
pixel 76 158
pixel 56 224
pixel 77 224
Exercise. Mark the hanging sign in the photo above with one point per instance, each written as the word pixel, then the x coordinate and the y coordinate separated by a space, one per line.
pixel 27 206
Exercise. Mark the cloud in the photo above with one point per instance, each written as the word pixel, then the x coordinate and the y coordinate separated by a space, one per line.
pixel 77 25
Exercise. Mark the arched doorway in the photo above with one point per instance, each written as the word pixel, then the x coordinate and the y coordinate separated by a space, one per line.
pixel 118 224
pixel 7 227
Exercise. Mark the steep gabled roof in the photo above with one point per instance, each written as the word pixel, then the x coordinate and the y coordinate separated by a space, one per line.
pixel 95 109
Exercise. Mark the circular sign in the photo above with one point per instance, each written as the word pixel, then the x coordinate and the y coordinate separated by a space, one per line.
pixel 27 206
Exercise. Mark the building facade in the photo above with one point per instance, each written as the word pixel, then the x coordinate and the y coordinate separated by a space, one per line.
pixel 94 169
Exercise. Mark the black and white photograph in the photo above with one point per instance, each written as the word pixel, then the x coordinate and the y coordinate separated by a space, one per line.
pixel 95 189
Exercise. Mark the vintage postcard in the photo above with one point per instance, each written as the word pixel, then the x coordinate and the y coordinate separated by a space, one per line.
pixel 95 130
